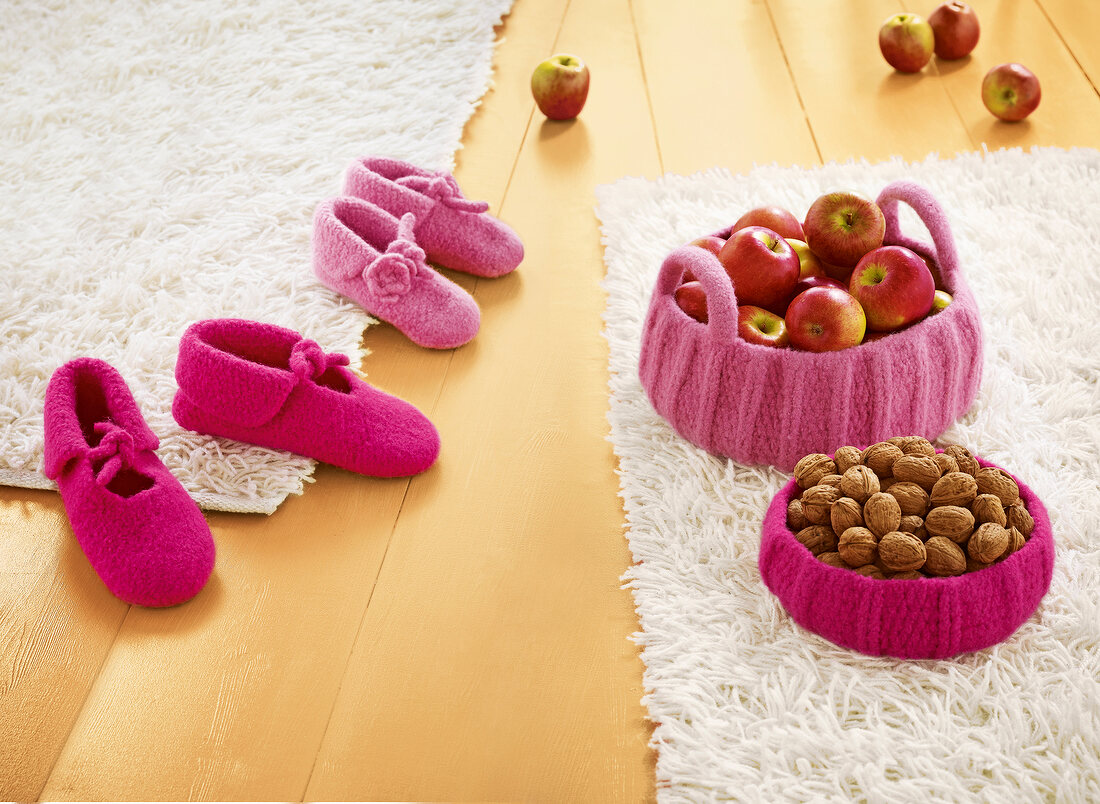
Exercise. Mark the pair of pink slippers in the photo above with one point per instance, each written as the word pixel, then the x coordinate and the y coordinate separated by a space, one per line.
pixel 253 382
pixel 373 245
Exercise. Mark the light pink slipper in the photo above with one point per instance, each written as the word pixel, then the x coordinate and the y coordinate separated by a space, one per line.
pixel 267 385
pixel 455 232
pixel 143 535
pixel 369 256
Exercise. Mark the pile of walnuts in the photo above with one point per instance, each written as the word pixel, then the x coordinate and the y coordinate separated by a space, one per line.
pixel 899 509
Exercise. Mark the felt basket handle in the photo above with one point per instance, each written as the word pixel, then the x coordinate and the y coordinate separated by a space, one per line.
pixel 932 215
pixel 721 301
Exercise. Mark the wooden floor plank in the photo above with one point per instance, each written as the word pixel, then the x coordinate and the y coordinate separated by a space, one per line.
pixel 1078 25
pixel 494 650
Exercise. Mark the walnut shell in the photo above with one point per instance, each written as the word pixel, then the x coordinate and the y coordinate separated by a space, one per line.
pixel 988 543
pixel 830 480
pixel 870 571
pixel 816 502
pixel 1019 518
pixel 845 458
pixel 857 546
pixel 908 575
pixel 992 480
pixel 811 468
pixel 796 517
pixel 859 483
pixel 901 551
pixel 946 463
pixel 919 469
pixel 950 521
pixel 818 539
pixel 833 559
pixel 1016 540
pixel 916 445
pixel 957 488
pixel 846 513
pixel 963 458
pixel 945 558
pixel 912 499
pixel 988 508
pixel 881 514
pixel 880 457
pixel 915 525
pixel 973 565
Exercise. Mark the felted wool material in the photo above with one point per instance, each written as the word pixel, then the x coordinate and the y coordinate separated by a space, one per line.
pixel 267 385
pixel 760 404
pixel 366 254
pixel 161 164
pixel 746 704
pixel 455 232
pixel 932 618
pixel 142 534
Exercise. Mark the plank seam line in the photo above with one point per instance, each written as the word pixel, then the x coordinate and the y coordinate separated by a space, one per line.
pixel 1065 44
pixel 954 106
pixel 794 82
pixel 645 83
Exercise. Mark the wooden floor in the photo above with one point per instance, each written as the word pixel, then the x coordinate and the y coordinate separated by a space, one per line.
pixel 463 635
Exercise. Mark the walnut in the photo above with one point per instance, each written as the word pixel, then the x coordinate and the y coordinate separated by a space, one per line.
pixel 901 551
pixel 973 565
pixel 816 502
pixel 915 525
pixel 1019 518
pixel 991 480
pixel 870 571
pixel 829 480
pixel 796 517
pixel 944 557
pixel 963 458
pixel 846 513
pixel 833 559
pixel 950 521
pixel 957 488
pixel 1016 540
pixel 812 468
pixel 846 458
pixel 880 457
pixel 915 445
pixel 946 463
pixel 988 508
pixel 818 539
pixel 988 543
pixel 859 483
pixel 908 575
pixel 857 546
pixel 912 499
pixel 919 469
pixel 881 514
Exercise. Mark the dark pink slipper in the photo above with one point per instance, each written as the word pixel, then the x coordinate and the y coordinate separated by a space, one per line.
pixel 142 533
pixel 267 385
pixel 455 232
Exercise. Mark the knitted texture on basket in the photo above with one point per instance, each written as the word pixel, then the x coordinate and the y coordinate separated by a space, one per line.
pixel 760 404
pixel 931 618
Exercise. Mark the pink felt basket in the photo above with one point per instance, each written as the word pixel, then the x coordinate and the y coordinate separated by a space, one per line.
pixel 759 404
pixel 930 618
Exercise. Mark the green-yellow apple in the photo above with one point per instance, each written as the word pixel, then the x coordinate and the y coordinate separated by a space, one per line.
pixel 809 264
pixel 710 243
pixel 940 300
pixel 761 265
pixel 1011 92
pixel 843 226
pixel 894 287
pixel 955 27
pixel 779 220
pixel 560 86
pixel 757 325
pixel 825 320
pixel 906 42
pixel 692 299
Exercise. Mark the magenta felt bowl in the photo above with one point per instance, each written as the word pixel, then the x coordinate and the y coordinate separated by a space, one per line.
pixel 931 618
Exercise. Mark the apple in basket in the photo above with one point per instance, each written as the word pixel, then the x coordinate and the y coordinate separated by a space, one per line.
pixel 955 28
pixel 762 267
pixel 560 86
pixel 779 220
pixel 1011 92
pixel 894 287
pixel 757 325
pixel 843 226
pixel 710 243
pixel 808 282
pixel 906 42
pixel 692 299
pixel 810 264
pixel 940 300
pixel 825 319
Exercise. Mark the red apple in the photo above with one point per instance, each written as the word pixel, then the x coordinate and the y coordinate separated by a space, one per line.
pixel 940 300
pixel 825 320
pixel 779 220
pixel 708 243
pixel 757 325
pixel 807 282
pixel 906 42
pixel 809 264
pixel 1011 92
pixel 955 27
pixel 762 267
pixel 894 286
pixel 843 226
pixel 692 299
pixel 560 86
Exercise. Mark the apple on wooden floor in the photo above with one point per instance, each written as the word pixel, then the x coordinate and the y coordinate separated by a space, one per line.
pixel 906 42
pixel 955 28
pixel 560 86
pixel 894 287
pixel 761 265
pixel 841 227
pixel 825 319
pixel 779 220
pixel 1011 91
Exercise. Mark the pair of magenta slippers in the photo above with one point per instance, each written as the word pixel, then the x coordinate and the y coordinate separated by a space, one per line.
pixel 245 380
pixel 374 243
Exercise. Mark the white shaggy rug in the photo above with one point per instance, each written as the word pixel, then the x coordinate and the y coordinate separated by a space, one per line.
pixel 749 706
pixel 160 164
